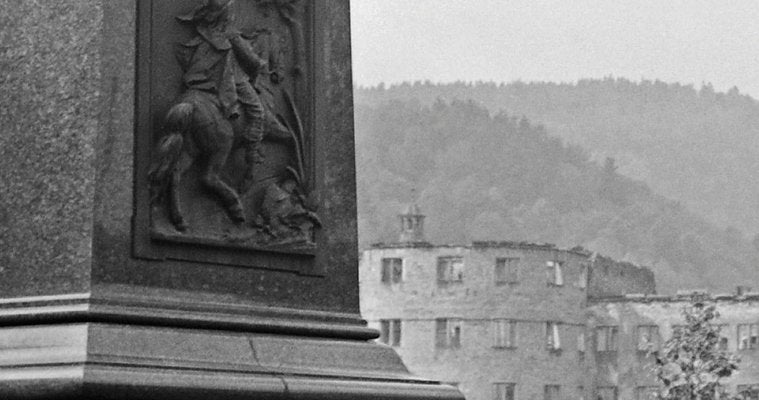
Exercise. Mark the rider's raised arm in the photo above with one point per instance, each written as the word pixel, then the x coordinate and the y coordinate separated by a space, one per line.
pixel 248 59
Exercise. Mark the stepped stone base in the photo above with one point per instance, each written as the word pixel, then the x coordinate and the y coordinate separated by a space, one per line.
pixel 69 347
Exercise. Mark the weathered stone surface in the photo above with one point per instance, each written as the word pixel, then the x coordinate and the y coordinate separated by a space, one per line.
pixel 330 285
pixel 68 167
pixel 50 68
pixel 120 325
pixel 68 158
pixel 627 368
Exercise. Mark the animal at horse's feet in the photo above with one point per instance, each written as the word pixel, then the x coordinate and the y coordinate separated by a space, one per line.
pixel 180 224
pixel 236 213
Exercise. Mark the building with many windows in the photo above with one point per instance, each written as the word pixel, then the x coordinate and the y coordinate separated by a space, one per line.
pixel 627 328
pixel 503 320
pixel 525 321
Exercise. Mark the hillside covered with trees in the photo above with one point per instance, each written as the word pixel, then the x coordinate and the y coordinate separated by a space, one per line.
pixel 696 146
pixel 485 175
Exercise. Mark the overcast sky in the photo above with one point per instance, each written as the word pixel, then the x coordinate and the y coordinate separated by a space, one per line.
pixel 686 41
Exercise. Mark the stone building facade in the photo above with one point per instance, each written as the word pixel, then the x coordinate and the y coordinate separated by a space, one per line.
pixel 501 320
pixel 621 366
pixel 525 321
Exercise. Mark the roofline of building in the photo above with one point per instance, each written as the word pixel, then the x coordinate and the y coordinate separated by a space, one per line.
pixel 626 264
pixel 512 245
pixel 405 245
pixel 485 245
pixel 678 298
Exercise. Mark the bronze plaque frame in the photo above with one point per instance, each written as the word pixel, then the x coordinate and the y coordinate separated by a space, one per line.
pixel 156 22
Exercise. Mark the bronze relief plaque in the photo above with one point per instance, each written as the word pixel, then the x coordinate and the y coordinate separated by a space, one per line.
pixel 225 169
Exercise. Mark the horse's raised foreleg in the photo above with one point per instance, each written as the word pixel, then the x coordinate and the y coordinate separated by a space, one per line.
pixel 175 207
pixel 213 182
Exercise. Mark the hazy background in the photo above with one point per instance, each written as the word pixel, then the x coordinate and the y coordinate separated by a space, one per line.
pixel 628 128
pixel 686 41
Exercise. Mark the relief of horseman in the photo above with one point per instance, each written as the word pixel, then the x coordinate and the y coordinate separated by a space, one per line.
pixel 222 62
pixel 219 109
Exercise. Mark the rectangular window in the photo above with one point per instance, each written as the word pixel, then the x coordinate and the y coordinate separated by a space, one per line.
pixel 607 393
pixel 551 392
pixel 390 332
pixel 748 336
pixel 450 270
pixel 748 392
pixel 441 333
pixel 506 271
pixel 648 338
pixel 447 333
pixel 454 334
pixel 503 391
pixel 723 340
pixel 722 345
pixel 392 270
pixel 554 273
pixel 505 333
pixel 553 341
pixel 384 331
pixel 606 338
pixel 395 335
pixel 646 393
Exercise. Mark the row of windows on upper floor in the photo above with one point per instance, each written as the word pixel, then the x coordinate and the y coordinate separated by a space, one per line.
pixel 448 334
pixel 450 270
pixel 508 391
pixel 649 338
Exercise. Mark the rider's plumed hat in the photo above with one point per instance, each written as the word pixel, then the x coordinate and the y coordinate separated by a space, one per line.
pixel 208 12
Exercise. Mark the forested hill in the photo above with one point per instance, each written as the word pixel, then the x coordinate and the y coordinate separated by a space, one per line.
pixel 688 144
pixel 493 176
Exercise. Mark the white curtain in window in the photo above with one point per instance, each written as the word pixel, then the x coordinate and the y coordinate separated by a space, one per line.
pixel 559 275
pixel 743 334
pixel 457 270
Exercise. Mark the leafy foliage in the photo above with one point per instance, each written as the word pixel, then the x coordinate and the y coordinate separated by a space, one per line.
pixel 690 365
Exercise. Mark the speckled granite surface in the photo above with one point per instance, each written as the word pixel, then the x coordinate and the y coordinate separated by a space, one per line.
pixel 49 119
pixel 116 272
pixel 67 113
pixel 152 327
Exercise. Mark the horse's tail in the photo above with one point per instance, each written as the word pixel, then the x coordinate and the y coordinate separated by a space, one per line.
pixel 178 121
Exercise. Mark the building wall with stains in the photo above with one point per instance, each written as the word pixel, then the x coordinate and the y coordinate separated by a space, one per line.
pixel 608 277
pixel 530 302
pixel 629 369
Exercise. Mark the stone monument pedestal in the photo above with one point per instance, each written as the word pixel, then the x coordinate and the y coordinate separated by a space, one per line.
pixel 74 347
pixel 104 294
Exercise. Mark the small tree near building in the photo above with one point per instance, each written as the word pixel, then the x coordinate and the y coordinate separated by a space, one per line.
pixel 690 365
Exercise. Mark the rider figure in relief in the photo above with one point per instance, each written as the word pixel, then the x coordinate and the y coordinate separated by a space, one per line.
pixel 220 61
